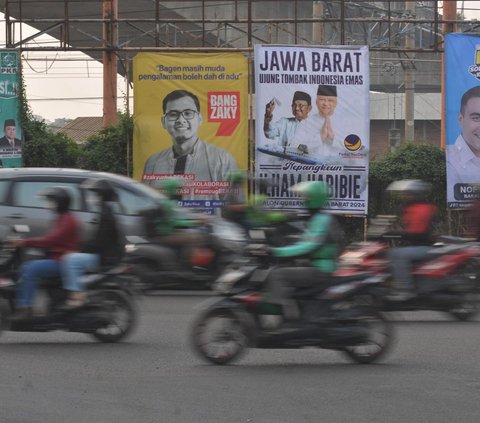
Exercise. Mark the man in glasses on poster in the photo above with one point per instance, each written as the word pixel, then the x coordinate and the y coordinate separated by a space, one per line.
pixel 188 155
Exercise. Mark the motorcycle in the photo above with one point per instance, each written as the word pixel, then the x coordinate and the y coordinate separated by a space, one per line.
pixel 225 241
pixel 109 315
pixel 446 279
pixel 334 316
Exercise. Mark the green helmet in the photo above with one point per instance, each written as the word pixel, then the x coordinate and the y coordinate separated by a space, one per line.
pixel 316 193
pixel 170 186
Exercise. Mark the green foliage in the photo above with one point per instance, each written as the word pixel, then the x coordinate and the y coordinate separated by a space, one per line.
pixel 46 149
pixel 110 150
pixel 410 161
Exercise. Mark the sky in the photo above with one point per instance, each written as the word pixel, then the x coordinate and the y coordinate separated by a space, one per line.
pixel 69 85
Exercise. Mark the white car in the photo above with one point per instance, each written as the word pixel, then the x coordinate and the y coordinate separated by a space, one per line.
pixel 20 204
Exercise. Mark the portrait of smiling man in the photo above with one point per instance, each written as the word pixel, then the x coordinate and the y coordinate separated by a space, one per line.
pixel 463 157
pixel 188 154
pixel 284 129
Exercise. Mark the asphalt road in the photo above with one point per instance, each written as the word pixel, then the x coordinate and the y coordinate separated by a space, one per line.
pixel 431 375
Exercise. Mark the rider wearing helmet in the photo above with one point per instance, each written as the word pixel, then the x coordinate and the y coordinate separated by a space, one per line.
pixel 416 220
pixel 236 207
pixel 174 230
pixel 251 213
pixel 62 238
pixel 171 187
pixel 105 247
pixel 319 244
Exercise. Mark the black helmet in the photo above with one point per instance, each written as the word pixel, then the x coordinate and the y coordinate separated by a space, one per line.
pixel 102 187
pixel 59 196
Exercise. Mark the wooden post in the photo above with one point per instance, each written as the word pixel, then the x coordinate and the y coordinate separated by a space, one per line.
pixel 110 42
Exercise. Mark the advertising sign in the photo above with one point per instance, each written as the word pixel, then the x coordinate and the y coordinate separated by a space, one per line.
pixel 11 139
pixel 191 122
pixel 462 106
pixel 312 123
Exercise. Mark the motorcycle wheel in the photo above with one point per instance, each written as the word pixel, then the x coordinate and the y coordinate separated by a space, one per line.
pixel 468 307
pixel 219 336
pixel 121 315
pixel 4 313
pixel 380 337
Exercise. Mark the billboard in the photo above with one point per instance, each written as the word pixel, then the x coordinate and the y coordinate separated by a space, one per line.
pixel 462 108
pixel 191 121
pixel 313 123
pixel 11 138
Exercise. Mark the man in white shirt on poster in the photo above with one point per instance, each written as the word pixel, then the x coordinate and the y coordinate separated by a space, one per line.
pixel 463 157
pixel 318 135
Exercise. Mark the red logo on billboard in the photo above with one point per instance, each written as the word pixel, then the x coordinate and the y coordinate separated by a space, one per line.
pixel 224 107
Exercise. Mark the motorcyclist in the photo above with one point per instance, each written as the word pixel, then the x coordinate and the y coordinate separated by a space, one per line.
pixel 416 220
pixel 63 237
pixel 319 244
pixel 106 246
pixel 171 188
pixel 249 214
pixel 173 229
pixel 235 205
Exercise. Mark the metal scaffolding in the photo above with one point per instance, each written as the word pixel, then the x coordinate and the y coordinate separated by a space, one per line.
pixel 404 37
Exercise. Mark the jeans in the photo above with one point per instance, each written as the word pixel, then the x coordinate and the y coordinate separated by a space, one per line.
pixel 401 262
pixel 30 273
pixel 74 265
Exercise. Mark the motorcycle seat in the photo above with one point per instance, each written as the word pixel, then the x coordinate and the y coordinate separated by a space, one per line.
pixel 441 251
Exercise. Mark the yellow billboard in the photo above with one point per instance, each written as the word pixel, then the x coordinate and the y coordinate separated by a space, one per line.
pixel 191 122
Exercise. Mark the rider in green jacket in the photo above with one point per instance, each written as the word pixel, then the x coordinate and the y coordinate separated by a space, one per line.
pixel 319 245
pixel 174 231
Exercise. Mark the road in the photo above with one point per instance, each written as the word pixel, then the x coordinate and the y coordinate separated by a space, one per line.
pixel 431 375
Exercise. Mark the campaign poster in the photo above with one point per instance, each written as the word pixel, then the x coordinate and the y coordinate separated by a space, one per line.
pixel 11 132
pixel 312 123
pixel 191 122
pixel 462 110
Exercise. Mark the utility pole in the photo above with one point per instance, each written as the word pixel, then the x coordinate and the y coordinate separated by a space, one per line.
pixel 110 43
pixel 318 28
pixel 449 14
pixel 409 75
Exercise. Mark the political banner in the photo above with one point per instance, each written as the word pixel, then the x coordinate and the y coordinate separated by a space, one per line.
pixel 11 140
pixel 191 122
pixel 462 110
pixel 312 123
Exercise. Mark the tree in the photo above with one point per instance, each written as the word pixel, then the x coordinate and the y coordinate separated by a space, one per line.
pixel 410 161
pixel 46 149
pixel 110 150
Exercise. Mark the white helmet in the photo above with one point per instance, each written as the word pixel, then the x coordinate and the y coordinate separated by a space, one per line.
pixel 414 186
